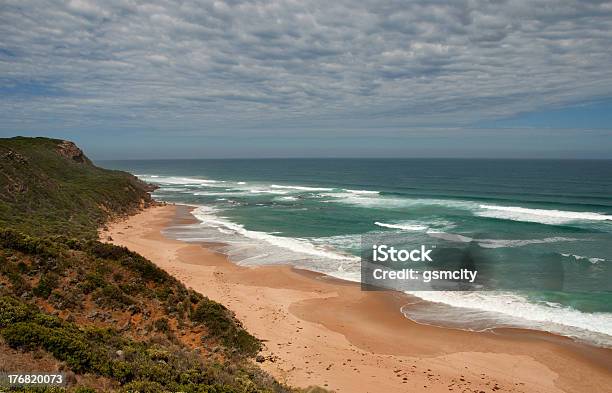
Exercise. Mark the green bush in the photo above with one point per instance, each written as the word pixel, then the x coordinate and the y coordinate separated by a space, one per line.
pixel 18 241
pixel 18 283
pixel 143 387
pixel 66 343
pixel 13 311
pixel 112 296
pixel 220 323
pixel 83 389
pixel 214 315
pixel 162 325
pixel 128 259
pixel 122 371
pixel 47 283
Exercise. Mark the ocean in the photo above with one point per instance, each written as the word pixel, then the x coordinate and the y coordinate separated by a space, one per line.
pixel 313 214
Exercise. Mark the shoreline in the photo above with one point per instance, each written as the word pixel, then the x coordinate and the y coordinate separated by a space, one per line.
pixel 319 330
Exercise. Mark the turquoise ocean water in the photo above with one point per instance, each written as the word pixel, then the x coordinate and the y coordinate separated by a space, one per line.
pixel 312 213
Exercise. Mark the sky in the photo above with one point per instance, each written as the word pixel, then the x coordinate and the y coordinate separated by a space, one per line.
pixel 345 78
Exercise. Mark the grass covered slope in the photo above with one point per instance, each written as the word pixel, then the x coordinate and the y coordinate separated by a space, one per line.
pixel 108 317
pixel 103 311
pixel 50 186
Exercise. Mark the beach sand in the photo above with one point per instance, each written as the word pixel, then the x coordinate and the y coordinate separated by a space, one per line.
pixel 323 331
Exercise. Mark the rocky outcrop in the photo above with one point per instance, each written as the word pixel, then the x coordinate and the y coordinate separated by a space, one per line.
pixel 11 155
pixel 72 152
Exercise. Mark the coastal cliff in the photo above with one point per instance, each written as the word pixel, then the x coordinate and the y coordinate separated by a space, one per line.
pixel 106 316
pixel 50 186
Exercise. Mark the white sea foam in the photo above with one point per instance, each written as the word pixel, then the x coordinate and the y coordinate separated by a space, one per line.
pixel 320 254
pixel 300 188
pixel 301 246
pixel 172 189
pixel 543 216
pixel 267 191
pixel 592 260
pixel 343 242
pixel 394 202
pixel 218 193
pixel 523 313
pixel 179 180
pixel 404 227
pixel 497 243
pixel 453 237
pixel 515 213
pixel 366 192
pixel 250 247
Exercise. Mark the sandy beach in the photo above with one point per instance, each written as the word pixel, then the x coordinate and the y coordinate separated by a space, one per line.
pixel 322 331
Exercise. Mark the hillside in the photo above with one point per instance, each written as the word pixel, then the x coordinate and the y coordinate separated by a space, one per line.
pixel 106 316
pixel 49 186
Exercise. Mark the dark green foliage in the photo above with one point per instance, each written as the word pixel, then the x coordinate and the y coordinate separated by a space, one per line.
pixel 13 311
pixel 161 325
pixel 141 366
pixel 111 296
pixel 65 343
pixel 143 387
pixel 94 268
pixel 101 262
pixel 129 259
pixel 82 389
pixel 46 284
pixel 68 298
pixel 91 282
pixel 220 323
pixel 19 241
pixel 47 186
pixel 19 284
pixel 214 315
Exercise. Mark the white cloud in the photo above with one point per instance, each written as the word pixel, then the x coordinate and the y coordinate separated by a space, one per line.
pixel 192 64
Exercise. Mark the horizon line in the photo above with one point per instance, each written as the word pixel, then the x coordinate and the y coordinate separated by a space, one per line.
pixel 359 158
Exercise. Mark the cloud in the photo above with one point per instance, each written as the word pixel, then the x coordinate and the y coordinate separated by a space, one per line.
pixel 194 65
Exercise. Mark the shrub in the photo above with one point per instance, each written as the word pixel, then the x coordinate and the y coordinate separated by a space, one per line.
pixel 13 311
pixel 162 325
pixel 122 371
pixel 18 241
pixel 46 284
pixel 131 260
pixel 64 342
pixel 83 389
pixel 20 286
pixel 111 296
pixel 143 387
pixel 220 323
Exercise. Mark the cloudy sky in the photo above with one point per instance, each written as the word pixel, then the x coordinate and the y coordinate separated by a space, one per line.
pixel 161 78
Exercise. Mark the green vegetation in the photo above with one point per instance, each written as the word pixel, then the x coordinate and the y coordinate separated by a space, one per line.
pixel 48 186
pixel 122 286
pixel 102 351
pixel 102 312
